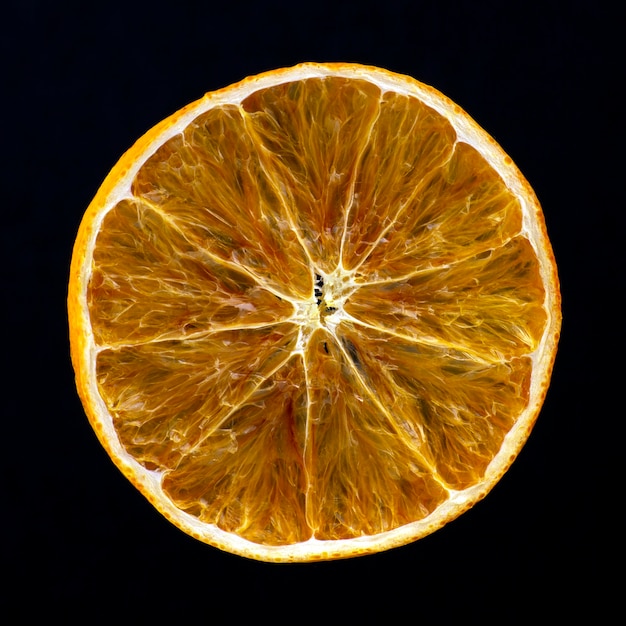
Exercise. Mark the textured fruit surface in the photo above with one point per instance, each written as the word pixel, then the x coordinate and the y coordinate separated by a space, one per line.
pixel 314 315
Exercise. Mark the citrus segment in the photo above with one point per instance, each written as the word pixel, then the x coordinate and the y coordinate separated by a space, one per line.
pixel 407 147
pixel 210 183
pixel 149 281
pixel 312 133
pixel 462 208
pixel 161 394
pixel 489 305
pixel 314 315
pixel 249 476
pixel 364 477
pixel 460 435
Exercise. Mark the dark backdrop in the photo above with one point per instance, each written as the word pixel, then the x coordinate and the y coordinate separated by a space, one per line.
pixel 81 84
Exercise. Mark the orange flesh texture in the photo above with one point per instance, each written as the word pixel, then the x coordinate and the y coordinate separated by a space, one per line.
pixel 353 428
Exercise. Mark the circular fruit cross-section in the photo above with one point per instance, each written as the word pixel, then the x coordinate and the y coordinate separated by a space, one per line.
pixel 314 315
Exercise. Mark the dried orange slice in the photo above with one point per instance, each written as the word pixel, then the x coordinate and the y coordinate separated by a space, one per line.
pixel 314 314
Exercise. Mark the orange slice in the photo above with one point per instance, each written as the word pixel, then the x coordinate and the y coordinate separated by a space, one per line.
pixel 314 315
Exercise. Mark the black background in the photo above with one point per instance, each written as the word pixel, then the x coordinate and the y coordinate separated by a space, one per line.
pixel 82 84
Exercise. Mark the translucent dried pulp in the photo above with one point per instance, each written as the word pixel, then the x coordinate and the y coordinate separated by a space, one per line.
pixel 314 315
